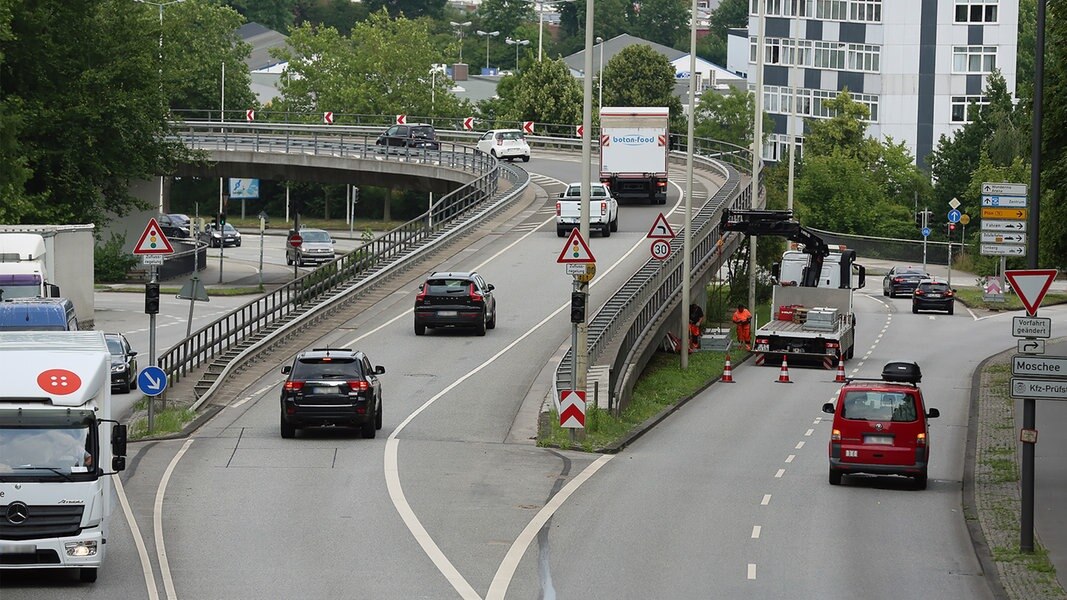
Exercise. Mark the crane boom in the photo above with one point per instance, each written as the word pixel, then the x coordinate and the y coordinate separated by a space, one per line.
pixel 780 223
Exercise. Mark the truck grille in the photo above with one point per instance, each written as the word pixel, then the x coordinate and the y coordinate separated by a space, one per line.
pixel 41 522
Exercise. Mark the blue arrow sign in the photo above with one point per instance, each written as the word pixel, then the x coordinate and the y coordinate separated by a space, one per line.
pixel 926 232
pixel 152 381
pixel 954 216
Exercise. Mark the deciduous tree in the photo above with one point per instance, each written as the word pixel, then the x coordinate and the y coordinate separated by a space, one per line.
pixel 640 76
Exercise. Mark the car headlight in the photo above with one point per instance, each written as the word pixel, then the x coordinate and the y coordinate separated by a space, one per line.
pixel 216 234
pixel 118 368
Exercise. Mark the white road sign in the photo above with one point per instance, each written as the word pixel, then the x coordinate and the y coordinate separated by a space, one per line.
pixel 152 259
pixel 1031 327
pixel 1003 189
pixel 1002 250
pixel 1031 346
pixel 1048 389
pixel 954 203
pixel 1004 201
pixel 998 237
pixel 1039 366
pixel 995 225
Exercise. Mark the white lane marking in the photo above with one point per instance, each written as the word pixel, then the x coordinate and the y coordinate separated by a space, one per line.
pixel 142 550
pixel 258 392
pixel 790 458
pixel 779 474
pixel 499 587
pixel 817 421
pixel 799 445
pixel 756 531
pixel 766 500
pixel 157 517
pixel 809 432
pixel 751 570
pixel 240 402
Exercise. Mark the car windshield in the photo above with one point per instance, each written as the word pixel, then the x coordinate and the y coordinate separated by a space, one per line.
pixel 114 345
pixel 40 450
pixel 911 271
pixel 334 367
pixel 510 135
pixel 423 132
pixel 314 236
pixel 598 191
pixel 934 287
pixel 879 406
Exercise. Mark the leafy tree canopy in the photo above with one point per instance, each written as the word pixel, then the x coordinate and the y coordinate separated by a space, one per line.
pixel 728 117
pixel 544 92
pixel 640 76
pixel 664 22
pixel 504 16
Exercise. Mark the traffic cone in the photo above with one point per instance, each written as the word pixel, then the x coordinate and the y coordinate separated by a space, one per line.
pixel 840 370
pixel 783 375
pixel 727 371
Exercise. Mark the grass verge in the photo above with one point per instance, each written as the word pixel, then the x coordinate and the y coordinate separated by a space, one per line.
pixel 234 291
pixel 972 297
pixel 171 419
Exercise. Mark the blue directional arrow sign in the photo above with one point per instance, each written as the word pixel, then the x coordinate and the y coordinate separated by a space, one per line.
pixel 954 216
pixel 926 232
pixel 152 381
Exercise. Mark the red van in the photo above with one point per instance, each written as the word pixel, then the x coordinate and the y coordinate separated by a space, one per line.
pixel 881 426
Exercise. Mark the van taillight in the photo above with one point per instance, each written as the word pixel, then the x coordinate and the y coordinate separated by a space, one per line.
pixel 603 208
pixel 920 439
pixel 558 209
pixel 292 386
pixel 475 296
pixel 358 386
pixel 835 435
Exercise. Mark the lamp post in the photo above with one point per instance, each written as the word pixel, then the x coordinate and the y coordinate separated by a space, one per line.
pixel 541 23
pixel 488 35
pixel 160 5
pixel 517 43
pixel 600 78
pixel 459 30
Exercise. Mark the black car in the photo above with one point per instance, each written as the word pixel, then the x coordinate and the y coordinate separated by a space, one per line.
pixel 455 299
pixel 175 225
pixel 215 237
pixel 933 295
pixel 331 386
pixel 902 280
pixel 419 136
pixel 123 362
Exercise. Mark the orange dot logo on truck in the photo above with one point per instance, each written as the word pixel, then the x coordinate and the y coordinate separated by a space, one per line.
pixel 59 381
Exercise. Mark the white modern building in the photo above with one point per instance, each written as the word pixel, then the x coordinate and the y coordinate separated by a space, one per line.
pixel 916 64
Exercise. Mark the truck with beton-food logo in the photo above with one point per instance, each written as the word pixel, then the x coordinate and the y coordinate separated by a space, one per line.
pixel 634 147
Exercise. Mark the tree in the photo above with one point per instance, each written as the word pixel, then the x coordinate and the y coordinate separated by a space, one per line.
pixel 610 18
pixel 1053 232
pixel 412 9
pixel 664 22
pixel 640 76
pixel 837 193
pixel 275 14
pixel 339 14
pixel 728 117
pixel 846 131
pixel 544 92
pixel 729 14
pixel 504 15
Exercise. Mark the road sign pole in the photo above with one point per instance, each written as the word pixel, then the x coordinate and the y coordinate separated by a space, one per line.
pixel 576 286
pixel 151 353
pixel 926 223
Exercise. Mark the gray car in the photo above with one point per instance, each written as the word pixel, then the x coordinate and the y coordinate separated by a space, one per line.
pixel 316 248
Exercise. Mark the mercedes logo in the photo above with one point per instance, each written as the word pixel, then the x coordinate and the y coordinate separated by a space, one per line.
pixel 17 513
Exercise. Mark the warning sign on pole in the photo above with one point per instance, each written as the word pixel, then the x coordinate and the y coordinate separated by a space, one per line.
pixel 152 241
pixel 572 409
pixel 575 250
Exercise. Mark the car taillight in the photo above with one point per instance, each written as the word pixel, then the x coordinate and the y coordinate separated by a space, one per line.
pixel 920 439
pixel 835 435
pixel 949 294
pixel 662 183
pixel 499 141
pixel 919 292
pixel 898 279
pixel 475 296
pixel 603 208
pixel 358 386
pixel 558 209
pixel 422 294
pixel 292 386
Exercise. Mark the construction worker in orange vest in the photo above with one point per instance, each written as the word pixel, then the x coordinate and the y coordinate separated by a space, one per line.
pixel 743 320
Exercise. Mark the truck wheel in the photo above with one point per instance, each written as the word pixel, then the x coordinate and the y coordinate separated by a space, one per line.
pixel 87 575
pixel 560 232
pixel 606 230
pixel 835 477
pixel 615 223
pixel 288 429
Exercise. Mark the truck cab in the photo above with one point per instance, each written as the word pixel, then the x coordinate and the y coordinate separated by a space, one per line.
pixel 839 269
pixel 23 268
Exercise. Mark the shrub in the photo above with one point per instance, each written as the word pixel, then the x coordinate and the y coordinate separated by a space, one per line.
pixel 110 263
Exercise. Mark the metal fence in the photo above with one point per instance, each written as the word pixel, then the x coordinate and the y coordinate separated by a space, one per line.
pixel 894 249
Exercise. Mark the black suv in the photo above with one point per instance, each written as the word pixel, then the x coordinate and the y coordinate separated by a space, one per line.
pixel 902 280
pixel 123 362
pixel 455 299
pixel 934 295
pixel 419 136
pixel 331 386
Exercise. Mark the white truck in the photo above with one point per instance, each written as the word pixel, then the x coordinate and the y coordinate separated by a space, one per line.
pixel 49 261
pixel 634 149
pixel 603 210
pixel 812 315
pixel 59 449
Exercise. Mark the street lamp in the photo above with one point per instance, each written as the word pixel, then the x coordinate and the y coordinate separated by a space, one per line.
pixel 160 5
pixel 600 79
pixel 517 43
pixel 459 31
pixel 487 34
pixel 541 22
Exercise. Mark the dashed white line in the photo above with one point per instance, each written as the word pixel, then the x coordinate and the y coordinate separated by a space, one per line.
pixel 809 432
pixel 766 500
pixel 779 474
pixel 790 458
pixel 799 445
pixel 751 570
pixel 756 531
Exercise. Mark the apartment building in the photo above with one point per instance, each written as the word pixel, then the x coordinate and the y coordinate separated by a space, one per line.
pixel 918 65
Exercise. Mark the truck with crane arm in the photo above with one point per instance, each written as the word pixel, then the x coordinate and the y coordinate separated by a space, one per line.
pixel 812 313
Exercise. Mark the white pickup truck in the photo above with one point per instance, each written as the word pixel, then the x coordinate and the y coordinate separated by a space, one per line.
pixel 603 210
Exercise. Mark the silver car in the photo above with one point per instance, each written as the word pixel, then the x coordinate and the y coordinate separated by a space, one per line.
pixel 316 247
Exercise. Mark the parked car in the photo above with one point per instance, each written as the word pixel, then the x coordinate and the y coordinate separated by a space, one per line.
pixel 902 279
pixel 227 236
pixel 932 294
pixel 123 362
pixel 331 387
pixel 455 299
pixel 505 143
pixel 316 247
pixel 419 136
pixel 175 225
pixel 881 426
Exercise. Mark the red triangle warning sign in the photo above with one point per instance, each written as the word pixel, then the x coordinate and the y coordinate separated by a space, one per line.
pixel 153 241
pixel 661 229
pixel 1031 286
pixel 576 250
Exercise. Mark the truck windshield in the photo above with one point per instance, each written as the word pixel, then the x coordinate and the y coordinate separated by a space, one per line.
pixel 50 452
pixel 20 286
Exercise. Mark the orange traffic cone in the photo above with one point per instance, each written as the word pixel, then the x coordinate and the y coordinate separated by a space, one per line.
pixel 840 370
pixel 783 375
pixel 727 371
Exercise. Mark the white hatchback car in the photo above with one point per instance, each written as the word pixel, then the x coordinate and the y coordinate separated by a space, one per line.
pixel 505 143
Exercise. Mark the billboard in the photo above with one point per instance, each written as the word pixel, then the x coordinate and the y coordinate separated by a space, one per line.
pixel 244 188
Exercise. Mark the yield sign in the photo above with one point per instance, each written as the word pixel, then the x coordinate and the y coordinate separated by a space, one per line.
pixel 527 126
pixel 152 241
pixel 661 229
pixel 468 123
pixel 575 250
pixel 401 119
pixel 572 409
pixel 1031 285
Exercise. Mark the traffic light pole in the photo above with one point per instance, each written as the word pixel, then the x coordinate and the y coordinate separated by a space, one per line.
pixel 926 224
pixel 151 347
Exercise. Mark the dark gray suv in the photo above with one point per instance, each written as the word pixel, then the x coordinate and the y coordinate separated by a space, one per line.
pixel 419 136
pixel 331 386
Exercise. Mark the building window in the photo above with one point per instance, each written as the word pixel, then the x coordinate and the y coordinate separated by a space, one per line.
pixel 829 55
pixel 965 108
pixel 831 10
pixel 772 54
pixel 804 53
pixel 866 11
pixel 974 59
pixel 976 11
pixel 863 57
pixel 777 147
pixel 801 8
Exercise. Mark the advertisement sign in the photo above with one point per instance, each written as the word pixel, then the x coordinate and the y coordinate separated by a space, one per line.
pixel 244 188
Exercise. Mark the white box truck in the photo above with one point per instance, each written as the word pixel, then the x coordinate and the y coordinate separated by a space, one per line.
pixel 23 267
pixel 66 263
pixel 634 149
pixel 59 449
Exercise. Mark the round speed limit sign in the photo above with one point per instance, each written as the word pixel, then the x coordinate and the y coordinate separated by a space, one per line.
pixel 661 249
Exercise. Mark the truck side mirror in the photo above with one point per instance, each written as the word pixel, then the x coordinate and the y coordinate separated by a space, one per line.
pixel 118 443
pixel 776 269
pixel 861 278
pixel 53 290
pixel 118 463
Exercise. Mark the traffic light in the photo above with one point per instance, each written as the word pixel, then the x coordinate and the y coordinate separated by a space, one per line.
pixel 577 307
pixel 919 221
pixel 222 220
pixel 151 298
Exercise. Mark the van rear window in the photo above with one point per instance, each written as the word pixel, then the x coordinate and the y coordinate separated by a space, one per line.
pixel 879 406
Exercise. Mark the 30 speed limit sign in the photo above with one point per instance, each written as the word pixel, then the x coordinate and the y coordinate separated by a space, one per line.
pixel 661 249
